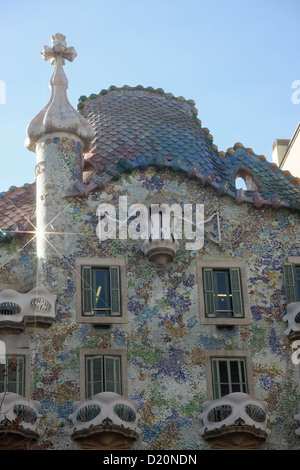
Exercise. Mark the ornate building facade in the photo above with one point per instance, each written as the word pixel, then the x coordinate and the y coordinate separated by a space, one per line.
pixel 149 343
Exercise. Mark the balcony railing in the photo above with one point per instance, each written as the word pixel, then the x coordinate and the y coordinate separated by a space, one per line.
pixel 19 421
pixel 105 421
pixel 36 307
pixel 235 421
pixel 292 317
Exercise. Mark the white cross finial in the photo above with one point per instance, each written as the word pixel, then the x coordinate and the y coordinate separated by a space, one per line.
pixel 59 115
pixel 59 48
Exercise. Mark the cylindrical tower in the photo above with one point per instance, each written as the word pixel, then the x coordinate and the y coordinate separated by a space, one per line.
pixel 59 136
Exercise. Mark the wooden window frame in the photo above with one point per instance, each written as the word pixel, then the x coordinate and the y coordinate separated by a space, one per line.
pixel 101 263
pixel 228 354
pixel 223 264
pixel 292 293
pixel 113 352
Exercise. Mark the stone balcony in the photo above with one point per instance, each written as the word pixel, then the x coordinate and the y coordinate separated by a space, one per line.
pixel 105 421
pixel 19 421
pixel 234 421
pixel 292 317
pixel 33 308
pixel 160 252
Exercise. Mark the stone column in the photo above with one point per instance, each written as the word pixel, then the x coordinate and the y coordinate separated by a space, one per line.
pixel 59 136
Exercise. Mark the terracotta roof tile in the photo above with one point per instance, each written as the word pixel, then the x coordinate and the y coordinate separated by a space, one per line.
pixel 17 207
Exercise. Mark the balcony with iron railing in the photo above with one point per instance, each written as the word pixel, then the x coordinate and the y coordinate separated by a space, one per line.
pixel 234 421
pixel 19 421
pixel 36 307
pixel 105 421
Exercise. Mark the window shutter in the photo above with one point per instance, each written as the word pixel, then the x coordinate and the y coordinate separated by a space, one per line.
pixel 86 290
pixel 115 295
pixel 209 293
pixel 237 300
pixel 289 279
pixel 112 374
pixel 94 375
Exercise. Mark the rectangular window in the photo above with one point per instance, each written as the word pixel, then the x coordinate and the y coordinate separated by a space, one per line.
pixel 222 293
pixel 100 291
pixel 12 374
pixel 291 276
pixel 228 376
pixel 103 374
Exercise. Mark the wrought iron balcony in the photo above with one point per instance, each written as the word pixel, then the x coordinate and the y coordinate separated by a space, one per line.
pixel 36 307
pixel 292 317
pixel 235 421
pixel 105 421
pixel 19 421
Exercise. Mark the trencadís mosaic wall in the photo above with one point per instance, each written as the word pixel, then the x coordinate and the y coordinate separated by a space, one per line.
pixel 164 339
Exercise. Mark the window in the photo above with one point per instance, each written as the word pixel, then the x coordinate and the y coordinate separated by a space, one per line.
pixel 12 374
pixel 228 371
pixel 103 370
pixel 103 374
pixel 229 376
pixel 291 276
pixel 101 291
pixel 223 294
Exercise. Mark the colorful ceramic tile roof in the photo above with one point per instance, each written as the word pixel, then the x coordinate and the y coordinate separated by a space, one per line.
pixel 140 127
pixel 137 127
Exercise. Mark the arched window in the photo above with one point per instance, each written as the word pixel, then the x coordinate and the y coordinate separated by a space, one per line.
pixel 244 180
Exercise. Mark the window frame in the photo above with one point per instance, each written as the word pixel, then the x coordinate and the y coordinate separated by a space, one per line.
pixel 95 352
pixel 293 294
pixel 225 265
pixel 19 381
pixel 110 264
pixel 228 354
pixel 19 346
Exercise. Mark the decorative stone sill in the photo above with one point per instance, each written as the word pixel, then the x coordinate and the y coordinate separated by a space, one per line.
pixel 105 421
pixel 34 308
pixel 160 252
pixel 235 421
pixel 19 421
pixel 293 318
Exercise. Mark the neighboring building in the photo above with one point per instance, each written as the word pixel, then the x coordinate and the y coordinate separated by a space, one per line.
pixel 286 153
pixel 147 344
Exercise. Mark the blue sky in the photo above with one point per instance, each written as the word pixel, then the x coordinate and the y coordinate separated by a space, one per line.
pixel 236 59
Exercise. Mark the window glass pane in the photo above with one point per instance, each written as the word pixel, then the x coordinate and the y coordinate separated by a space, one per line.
pixel 234 371
pixel 298 281
pixel 222 293
pixel 101 296
pixel 223 371
pixel 224 389
pixel 232 376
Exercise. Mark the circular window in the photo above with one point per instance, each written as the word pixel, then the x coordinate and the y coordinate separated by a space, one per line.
pixel 125 413
pixel 256 413
pixel 297 318
pixel 40 305
pixel 88 413
pixel 219 413
pixel 25 413
pixel 9 308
